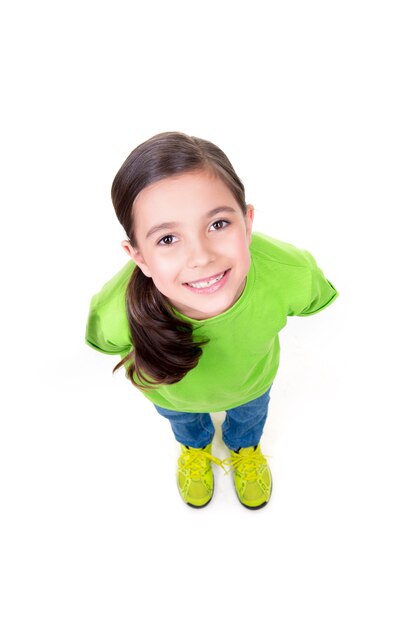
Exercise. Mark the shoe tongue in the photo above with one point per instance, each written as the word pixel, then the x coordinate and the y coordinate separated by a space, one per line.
pixel 247 451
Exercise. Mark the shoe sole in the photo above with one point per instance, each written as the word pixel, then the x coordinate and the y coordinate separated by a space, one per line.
pixel 254 508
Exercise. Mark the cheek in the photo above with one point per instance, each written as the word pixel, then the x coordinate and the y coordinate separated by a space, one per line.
pixel 163 271
pixel 243 251
pixel 246 261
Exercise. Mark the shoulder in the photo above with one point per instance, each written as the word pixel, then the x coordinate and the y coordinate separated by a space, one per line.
pixel 115 288
pixel 279 253
pixel 290 274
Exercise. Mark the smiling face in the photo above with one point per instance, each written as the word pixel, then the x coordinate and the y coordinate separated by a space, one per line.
pixel 193 241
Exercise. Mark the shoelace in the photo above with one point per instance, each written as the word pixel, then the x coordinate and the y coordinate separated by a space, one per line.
pixel 196 462
pixel 247 465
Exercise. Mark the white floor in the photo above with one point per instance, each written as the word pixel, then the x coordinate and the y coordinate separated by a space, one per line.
pixel 315 104
pixel 95 532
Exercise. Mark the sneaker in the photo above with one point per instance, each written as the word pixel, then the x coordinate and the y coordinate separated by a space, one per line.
pixel 195 476
pixel 252 477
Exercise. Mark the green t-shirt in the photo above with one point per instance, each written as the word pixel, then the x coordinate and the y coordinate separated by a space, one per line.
pixel 241 359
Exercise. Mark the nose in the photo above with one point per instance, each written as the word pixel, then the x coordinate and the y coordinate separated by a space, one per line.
pixel 199 253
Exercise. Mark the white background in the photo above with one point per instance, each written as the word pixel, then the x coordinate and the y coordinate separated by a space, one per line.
pixel 315 103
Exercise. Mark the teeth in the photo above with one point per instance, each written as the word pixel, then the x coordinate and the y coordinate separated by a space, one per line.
pixel 207 283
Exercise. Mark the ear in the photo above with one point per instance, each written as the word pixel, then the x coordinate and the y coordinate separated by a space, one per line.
pixel 249 218
pixel 136 256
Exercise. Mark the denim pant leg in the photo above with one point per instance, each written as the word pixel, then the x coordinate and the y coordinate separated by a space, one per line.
pixel 243 425
pixel 191 429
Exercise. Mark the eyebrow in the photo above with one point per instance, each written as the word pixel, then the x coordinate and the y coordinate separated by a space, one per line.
pixel 169 225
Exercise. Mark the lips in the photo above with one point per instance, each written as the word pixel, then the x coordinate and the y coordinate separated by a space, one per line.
pixel 210 284
pixel 206 282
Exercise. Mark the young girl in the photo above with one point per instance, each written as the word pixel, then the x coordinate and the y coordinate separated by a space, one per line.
pixel 195 313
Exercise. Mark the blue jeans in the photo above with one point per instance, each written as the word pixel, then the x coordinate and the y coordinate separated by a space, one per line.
pixel 242 428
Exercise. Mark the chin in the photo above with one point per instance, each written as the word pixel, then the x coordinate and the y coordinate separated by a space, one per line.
pixel 214 311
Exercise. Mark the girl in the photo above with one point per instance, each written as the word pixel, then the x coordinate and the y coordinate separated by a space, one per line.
pixel 195 313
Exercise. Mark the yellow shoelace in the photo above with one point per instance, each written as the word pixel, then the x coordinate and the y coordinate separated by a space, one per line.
pixel 196 462
pixel 247 465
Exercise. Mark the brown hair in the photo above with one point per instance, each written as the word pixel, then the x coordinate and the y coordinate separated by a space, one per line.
pixel 164 349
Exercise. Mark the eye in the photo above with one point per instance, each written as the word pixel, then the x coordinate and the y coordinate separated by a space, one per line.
pixel 167 240
pixel 219 224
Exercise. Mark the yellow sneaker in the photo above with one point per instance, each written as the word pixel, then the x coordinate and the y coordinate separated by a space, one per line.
pixel 195 476
pixel 252 477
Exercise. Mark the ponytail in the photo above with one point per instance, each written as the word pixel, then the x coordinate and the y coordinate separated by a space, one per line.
pixel 163 347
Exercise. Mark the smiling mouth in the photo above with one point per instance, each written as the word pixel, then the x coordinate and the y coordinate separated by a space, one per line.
pixel 207 282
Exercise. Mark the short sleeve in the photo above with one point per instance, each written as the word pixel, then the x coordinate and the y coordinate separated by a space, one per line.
pixel 95 337
pixel 107 328
pixel 322 291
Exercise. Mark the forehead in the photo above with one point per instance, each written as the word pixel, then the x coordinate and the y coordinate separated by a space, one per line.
pixel 191 191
